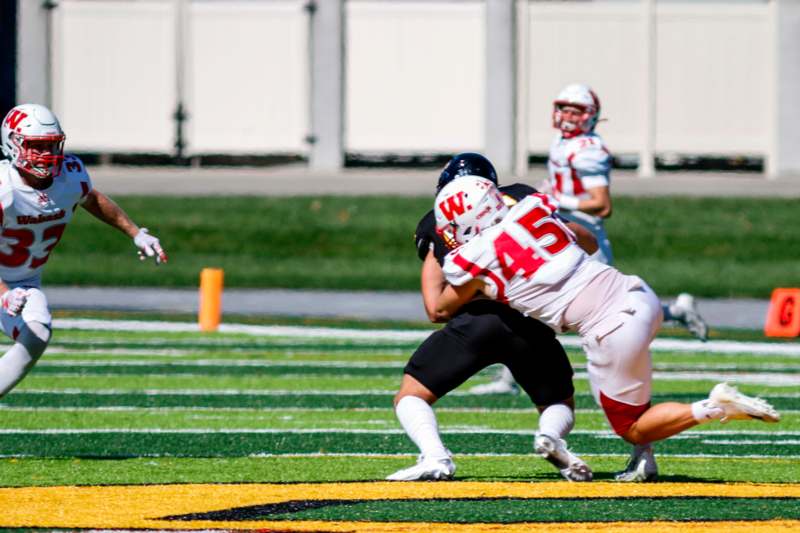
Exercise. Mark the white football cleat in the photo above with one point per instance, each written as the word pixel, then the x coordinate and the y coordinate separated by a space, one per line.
pixel 503 384
pixel 738 406
pixel 433 469
pixel 556 453
pixel 684 310
pixel 496 387
pixel 641 467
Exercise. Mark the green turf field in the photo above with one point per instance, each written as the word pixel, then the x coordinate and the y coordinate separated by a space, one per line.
pixel 295 429
pixel 709 247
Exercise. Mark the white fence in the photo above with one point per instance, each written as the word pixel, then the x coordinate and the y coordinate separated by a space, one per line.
pixel 414 74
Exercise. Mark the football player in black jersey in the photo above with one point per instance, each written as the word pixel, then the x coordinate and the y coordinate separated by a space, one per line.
pixel 482 333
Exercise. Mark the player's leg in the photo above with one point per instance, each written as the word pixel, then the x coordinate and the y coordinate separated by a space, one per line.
pixel 620 374
pixel 620 371
pixel 723 403
pixel 440 364
pixel 541 367
pixel 30 331
pixel 413 409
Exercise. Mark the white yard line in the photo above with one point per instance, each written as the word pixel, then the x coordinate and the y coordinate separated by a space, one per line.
pixel 224 362
pixel 764 379
pixel 604 434
pixel 676 345
pixel 457 455
pixel 270 392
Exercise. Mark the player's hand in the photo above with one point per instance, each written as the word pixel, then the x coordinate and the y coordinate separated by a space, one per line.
pixel 149 246
pixel 13 300
pixel 567 201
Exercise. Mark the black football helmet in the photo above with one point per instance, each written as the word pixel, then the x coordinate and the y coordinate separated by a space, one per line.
pixel 466 164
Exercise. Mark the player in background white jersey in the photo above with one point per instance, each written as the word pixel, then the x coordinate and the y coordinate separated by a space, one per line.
pixel 579 176
pixel 579 170
pixel 527 257
pixel 40 189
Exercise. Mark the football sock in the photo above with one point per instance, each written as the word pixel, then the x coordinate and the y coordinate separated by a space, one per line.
pixel 706 411
pixel 20 358
pixel 556 421
pixel 419 422
pixel 639 449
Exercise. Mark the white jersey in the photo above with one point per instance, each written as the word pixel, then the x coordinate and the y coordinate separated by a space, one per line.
pixel 529 260
pixel 578 164
pixel 574 166
pixel 32 220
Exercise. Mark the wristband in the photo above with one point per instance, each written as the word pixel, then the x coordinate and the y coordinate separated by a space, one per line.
pixel 569 202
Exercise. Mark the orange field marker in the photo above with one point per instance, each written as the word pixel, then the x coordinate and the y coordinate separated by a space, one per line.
pixel 210 313
pixel 783 317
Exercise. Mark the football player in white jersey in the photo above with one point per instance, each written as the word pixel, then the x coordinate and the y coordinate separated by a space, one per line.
pixel 527 257
pixel 40 188
pixel 579 176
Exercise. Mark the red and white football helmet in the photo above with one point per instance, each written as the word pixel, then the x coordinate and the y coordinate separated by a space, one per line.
pixel 33 140
pixel 465 207
pixel 581 97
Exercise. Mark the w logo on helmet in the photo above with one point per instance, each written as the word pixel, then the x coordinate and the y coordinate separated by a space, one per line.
pixel 14 118
pixel 453 206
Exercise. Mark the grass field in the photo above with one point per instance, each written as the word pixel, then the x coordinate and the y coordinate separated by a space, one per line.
pixel 710 247
pixel 290 428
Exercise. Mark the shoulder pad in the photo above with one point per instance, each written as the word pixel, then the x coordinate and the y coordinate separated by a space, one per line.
pixel 517 191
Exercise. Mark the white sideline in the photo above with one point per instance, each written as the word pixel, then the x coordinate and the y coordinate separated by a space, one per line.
pixel 675 345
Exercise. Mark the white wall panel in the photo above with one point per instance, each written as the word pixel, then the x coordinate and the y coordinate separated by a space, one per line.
pixel 414 76
pixel 113 75
pixel 248 80
pixel 714 78
pixel 597 44
pixel 713 72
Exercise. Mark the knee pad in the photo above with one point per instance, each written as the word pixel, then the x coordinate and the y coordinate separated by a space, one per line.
pixel 35 337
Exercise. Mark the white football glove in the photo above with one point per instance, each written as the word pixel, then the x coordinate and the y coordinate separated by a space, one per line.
pixel 149 247
pixel 13 300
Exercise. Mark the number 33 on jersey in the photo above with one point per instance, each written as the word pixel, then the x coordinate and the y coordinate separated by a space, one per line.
pixel 32 220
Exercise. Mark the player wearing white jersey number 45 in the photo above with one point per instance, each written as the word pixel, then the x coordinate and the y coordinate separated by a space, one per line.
pixel 40 189
pixel 579 170
pixel 526 257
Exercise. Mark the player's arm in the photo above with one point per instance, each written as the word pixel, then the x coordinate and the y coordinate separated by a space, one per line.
pixel 598 203
pixel 105 209
pixel 432 283
pixel 452 297
pixel 583 237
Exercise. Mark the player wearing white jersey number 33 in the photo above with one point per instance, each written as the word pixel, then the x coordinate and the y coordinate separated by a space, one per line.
pixel 40 190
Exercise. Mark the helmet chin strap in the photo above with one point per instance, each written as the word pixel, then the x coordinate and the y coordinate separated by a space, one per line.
pixel 570 133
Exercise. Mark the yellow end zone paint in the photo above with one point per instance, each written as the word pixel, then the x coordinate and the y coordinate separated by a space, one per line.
pixel 143 506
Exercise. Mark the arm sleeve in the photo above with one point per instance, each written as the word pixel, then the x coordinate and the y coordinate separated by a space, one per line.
pixel 461 267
